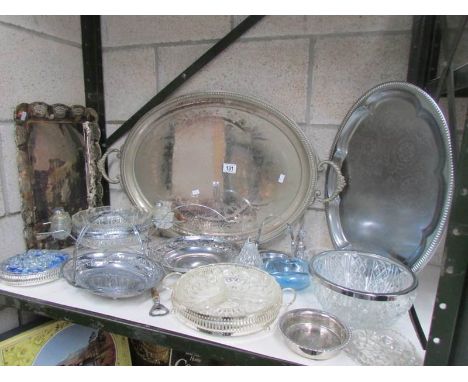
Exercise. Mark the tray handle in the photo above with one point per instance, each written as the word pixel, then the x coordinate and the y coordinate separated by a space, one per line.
pixel 340 182
pixel 101 165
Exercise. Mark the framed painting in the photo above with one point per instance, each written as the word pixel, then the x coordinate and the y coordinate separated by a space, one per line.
pixel 57 153
pixel 61 343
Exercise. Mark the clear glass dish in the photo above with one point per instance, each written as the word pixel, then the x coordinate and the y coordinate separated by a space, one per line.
pixel 382 348
pixel 108 227
pixel 227 299
pixel 113 274
pixel 363 289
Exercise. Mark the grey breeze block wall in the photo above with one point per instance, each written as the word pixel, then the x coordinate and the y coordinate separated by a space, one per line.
pixel 41 61
pixel 312 68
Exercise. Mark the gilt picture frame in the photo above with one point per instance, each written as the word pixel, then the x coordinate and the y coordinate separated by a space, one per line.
pixel 57 153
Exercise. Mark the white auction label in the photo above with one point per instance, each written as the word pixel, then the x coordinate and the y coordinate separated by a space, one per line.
pixel 229 168
pixel 281 178
pixel 195 192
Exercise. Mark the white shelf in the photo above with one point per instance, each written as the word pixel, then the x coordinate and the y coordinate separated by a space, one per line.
pixel 268 342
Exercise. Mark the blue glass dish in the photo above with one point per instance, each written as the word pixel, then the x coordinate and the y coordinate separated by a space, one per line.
pixel 34 261
pixel 289 273
pixel 33 267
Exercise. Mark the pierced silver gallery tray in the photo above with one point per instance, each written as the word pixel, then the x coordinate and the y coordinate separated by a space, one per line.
pixel 35 266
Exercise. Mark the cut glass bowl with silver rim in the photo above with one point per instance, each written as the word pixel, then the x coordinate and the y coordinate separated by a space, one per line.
pixel 108 227
pixel 363 289
pixel 35 266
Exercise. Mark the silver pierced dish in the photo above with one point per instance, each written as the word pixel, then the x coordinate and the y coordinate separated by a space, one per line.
pixel 113 274
pixel 108 227
pixel 35 266
pixel 313 333
pixel 227 299
pixel 184 253
pixel 363 289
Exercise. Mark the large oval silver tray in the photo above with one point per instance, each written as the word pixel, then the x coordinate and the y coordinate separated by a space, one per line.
pixel 112 274
pixel 184 253
pixel 394 149
pixel 227 160
pixel 227 299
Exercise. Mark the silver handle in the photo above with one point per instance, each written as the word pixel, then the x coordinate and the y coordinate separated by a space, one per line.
pixel 340 182
pixel 101 165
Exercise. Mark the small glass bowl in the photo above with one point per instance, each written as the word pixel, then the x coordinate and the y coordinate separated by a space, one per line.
pixel 289 273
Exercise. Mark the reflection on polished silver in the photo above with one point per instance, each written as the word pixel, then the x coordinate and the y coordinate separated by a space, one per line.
pixel 394 149
pixel 227 299
pixel 363 289
pixel 183 253
pixel 232 153
pixel 383 347
pixel 313 333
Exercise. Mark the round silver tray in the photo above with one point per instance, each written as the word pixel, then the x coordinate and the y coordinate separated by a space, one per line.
pixel 113 274
pixel 184 253
pixel 227 299
pixel 25 269
pixel 239 157
pixel 394 148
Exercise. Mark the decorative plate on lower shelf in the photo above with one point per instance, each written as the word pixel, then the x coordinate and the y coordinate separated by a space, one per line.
pixel 35 266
